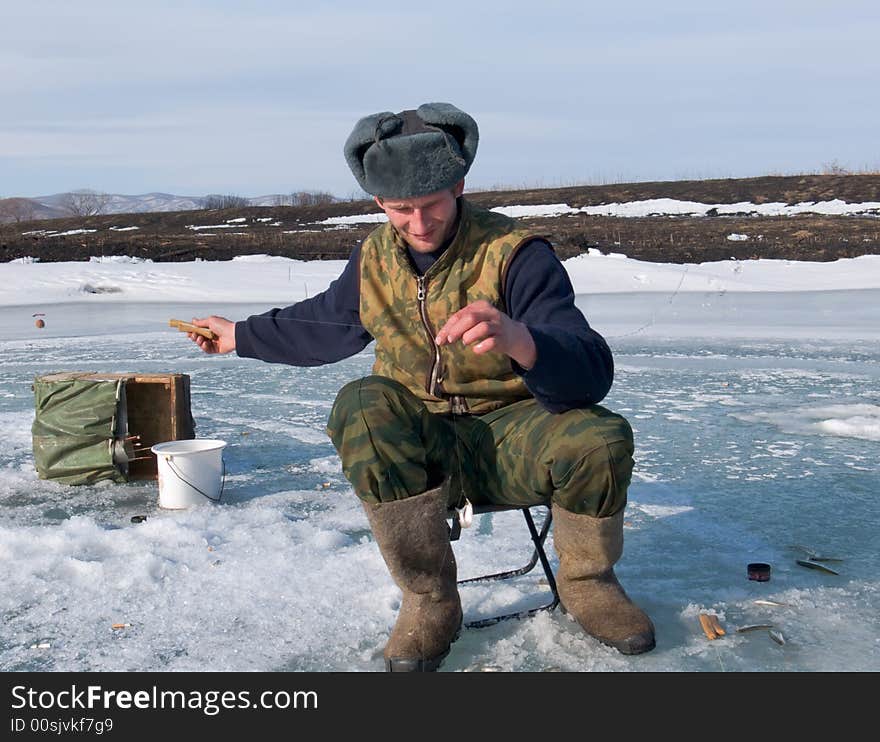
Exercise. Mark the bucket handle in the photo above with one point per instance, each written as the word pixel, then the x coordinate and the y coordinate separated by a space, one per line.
pixel 168 460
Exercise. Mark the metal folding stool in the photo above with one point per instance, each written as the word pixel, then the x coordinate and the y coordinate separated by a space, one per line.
pixel 538 555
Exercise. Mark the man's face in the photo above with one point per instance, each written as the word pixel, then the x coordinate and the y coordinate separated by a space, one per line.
pixel 425 222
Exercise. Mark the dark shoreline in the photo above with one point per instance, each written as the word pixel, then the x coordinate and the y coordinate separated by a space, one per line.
pixel 295 232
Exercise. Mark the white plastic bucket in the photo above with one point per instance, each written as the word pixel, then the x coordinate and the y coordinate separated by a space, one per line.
pixel 190 472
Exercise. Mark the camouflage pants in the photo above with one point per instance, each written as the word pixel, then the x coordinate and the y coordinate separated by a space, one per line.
pixel 392 447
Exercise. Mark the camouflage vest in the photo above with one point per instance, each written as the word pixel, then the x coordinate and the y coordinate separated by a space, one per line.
pixel 404 311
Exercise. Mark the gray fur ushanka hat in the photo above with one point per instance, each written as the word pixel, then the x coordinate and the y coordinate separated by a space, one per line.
pixel 412 153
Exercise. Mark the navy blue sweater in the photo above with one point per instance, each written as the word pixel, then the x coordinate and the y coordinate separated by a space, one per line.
pixel 574 366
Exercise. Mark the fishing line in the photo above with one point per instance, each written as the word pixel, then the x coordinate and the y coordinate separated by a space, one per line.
pixel 718 655
pixel 654 316
pixel 455 428
pixel 305 321
pixel 656 312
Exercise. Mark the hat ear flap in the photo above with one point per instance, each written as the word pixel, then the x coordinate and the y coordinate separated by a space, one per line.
pixel 367 132
pixel 455 122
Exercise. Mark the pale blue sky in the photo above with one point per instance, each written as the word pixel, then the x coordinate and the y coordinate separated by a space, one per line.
pixel 252 98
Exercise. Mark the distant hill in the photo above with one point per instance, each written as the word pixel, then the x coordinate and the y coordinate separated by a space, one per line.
pixel 302 232
pixel 118 204
pixel 56 205
pixel 27 209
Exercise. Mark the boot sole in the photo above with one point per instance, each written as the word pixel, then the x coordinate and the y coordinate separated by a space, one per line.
pixel 632 645
pixel 421 664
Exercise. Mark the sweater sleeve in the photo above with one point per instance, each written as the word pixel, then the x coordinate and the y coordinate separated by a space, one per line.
pixel 574 366
pixel 322 329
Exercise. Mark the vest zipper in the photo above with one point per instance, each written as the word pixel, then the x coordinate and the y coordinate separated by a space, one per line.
pixel 434 378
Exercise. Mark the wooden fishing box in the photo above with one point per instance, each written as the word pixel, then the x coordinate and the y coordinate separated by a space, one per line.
pixel 90 426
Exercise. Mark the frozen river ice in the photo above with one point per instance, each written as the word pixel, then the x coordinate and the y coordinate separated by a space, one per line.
pixel 757 420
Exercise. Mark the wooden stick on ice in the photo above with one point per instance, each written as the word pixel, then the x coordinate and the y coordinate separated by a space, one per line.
pixel 711 628
pixel 187 327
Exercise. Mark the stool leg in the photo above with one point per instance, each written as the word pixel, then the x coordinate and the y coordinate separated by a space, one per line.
pixel 538 555
pixel 539 549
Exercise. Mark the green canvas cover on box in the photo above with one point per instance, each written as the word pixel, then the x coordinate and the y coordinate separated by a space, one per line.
pixel 76 430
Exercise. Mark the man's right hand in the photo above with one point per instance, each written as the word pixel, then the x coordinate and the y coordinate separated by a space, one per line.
pixel 223 329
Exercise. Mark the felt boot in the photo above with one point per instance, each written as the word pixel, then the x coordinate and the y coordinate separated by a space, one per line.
pixel 588 549
pixel 413 537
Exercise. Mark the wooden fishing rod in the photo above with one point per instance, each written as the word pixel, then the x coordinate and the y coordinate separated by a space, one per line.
pixel 187 327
